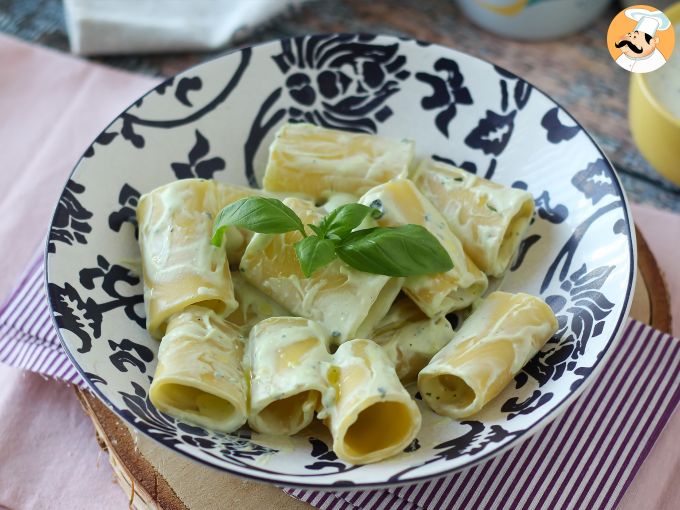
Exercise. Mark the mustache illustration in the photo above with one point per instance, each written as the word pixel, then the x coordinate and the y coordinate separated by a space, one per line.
pixel 626 42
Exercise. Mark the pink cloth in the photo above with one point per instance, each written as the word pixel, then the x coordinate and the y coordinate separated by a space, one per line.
pixel 50 458
pixel 51 107
pixel 662 233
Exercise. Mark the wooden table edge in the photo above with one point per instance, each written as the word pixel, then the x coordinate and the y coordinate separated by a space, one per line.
pixel 660 302
pixel 136 475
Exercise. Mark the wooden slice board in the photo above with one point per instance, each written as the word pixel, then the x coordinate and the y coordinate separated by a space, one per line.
pixel 156 478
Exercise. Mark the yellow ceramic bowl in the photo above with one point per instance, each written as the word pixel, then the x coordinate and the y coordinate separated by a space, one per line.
pixel 656 132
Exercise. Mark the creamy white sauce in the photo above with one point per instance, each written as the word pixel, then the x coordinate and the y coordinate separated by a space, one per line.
pixel 338 199
pixel 269 339
pixel 254 305
pixel 191 252
pixel 363 297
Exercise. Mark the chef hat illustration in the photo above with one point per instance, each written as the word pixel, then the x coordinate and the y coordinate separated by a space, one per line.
pixel 648 22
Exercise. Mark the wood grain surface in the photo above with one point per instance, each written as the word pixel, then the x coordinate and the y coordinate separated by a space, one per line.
pixel 155 477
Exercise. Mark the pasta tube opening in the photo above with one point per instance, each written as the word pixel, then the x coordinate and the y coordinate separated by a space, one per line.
pixel 284 355
pixel 378 427
pixel 291 413
pixel 215 305
pixel 449 390
pixel 199 377
pixel 369 413
pixel 195 401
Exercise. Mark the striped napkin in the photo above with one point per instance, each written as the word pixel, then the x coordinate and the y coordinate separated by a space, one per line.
pixel 28 339
pixel 586 458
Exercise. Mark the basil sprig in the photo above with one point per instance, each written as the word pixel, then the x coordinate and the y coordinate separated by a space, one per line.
pixel 407 250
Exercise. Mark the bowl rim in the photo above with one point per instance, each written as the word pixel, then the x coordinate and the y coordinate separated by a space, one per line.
pixel 520 438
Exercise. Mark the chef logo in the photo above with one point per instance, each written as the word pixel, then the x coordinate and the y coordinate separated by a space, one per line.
pixel 640 39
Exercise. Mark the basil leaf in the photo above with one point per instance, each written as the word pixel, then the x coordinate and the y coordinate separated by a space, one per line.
pixel 341 221
pixel 407 250
pixel 314 253
pixel 259 214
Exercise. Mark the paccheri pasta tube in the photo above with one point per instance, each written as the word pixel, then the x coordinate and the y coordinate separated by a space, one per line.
pixel 369 413
pixel 410 338
pixel 286 383
pixel 488 218
pixel 179 265
pixel 436 294
pixel 502 334
pixel 347 302
pixel 199 376
pixel 318 162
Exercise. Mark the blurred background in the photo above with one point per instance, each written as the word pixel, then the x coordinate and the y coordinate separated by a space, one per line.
pixel 558 45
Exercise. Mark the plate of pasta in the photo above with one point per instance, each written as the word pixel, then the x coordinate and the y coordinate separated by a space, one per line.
pixel 340 260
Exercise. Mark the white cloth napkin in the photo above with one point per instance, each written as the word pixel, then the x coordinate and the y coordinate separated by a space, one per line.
pixel 99 27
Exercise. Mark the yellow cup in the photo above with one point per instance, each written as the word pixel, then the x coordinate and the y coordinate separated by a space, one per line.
pixel 656 132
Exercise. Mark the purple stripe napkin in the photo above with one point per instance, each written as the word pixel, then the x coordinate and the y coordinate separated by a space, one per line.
pixel 28 339
pixel 586 458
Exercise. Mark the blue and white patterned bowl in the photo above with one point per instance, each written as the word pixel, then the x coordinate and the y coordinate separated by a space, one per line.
pixel 216 120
